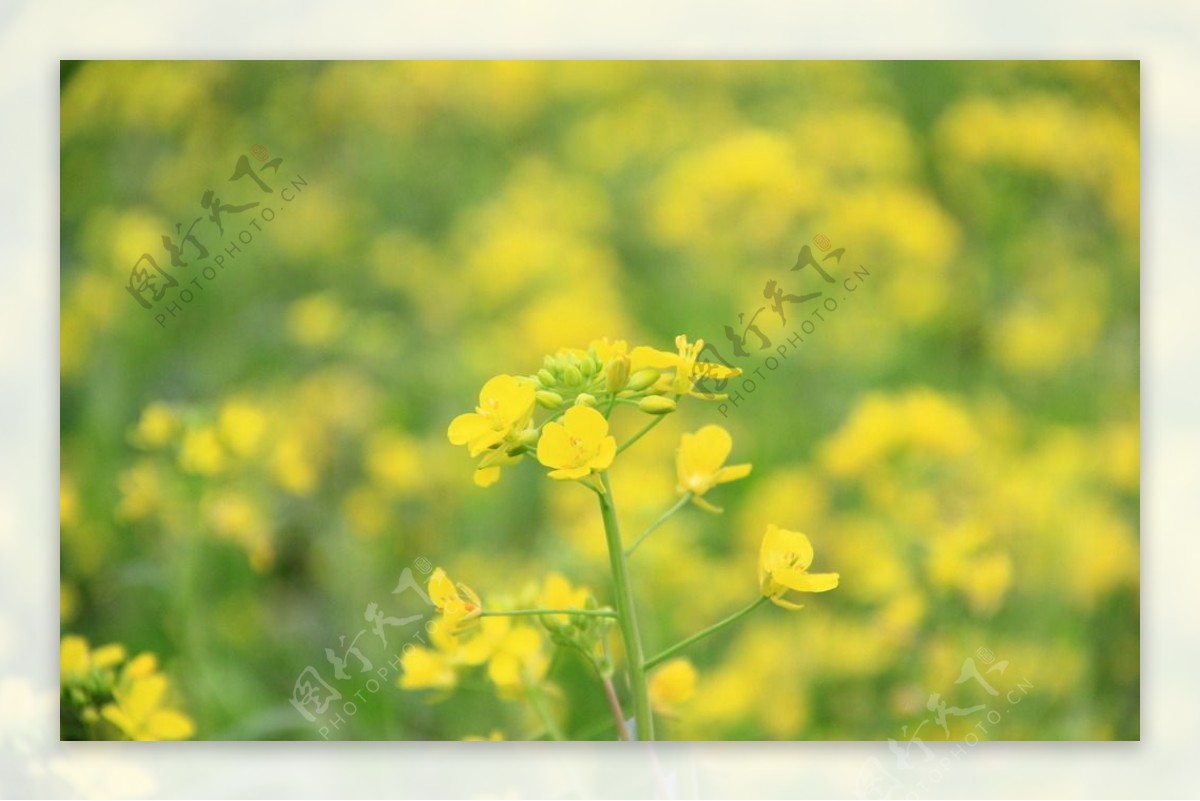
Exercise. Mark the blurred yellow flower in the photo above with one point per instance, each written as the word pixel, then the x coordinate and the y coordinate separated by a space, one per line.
pixel 394 462
pixel 578 446
pixel 557 593
pixel 77 660
pixel 242 427
pixel 517 661
pixel 293 465
pixel 132 701
pixel 505 407
pixel 672 684
pixel 236 516
pixel 139 710
pixel 156 427
pixel 427 669
pixel 700 460
pixel 141 490
pixel 783 566
pixel 316 320
pixel 201 452
pixel 457 612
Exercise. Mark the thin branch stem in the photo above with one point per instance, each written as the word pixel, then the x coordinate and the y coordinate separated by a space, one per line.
pixel 713 629
pixel 687 496
pixel 614 703
pixel 528 612
pixel 538 699
pixel 641 433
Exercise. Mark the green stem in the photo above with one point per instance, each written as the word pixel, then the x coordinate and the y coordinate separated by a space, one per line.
pixel 714 628
pixel 687 496
pixel 539 704
pixel 526 612
pixel 626 613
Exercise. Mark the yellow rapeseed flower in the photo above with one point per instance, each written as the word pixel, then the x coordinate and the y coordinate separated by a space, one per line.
pixel 201 452
pixel 505 407
pixel 672 684
pixel 578 446
pixel 457 612
pixel 427 669
pixel 700 463
pixel 517 661
pixel 139 710
pixel 687 369
pixel 77 661
pixel 783 566
pixel 557 593
pixel 242 426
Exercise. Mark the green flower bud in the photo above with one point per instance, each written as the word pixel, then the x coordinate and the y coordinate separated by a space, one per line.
pixel 548 400
pixel 585 399
pixel 571 376
pixel 528 437
pixel 657 404
pixel 590 365
pixel 546 378
pixel 643 379
pixel 616 373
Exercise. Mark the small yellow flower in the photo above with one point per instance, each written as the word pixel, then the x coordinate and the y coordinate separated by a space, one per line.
pixel 687 370
pixel 139 711
pixel 671 685
pixel 557 593
pixel 457 612
pixel 578 446
pixel 783 566
pixel 517 661
pixel 505 407
pixel 202 453
pixel 157 427
pixel 700 460
pixel 243 426
pixel 77 660
pixel 427 669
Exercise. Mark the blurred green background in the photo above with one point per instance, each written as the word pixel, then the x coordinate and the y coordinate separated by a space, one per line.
pixel 959 439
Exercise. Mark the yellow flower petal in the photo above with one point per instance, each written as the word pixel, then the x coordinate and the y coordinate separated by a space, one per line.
pixel 805 582
pixel 486 477
pixel 642 357
pixel 733 473
pixel 605 455
pixel 570 473
pixel 167 724
pixel 467 427
pixel 73 657
pixel 585 423
pixel 554 447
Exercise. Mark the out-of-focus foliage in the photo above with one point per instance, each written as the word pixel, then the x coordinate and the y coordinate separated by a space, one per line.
pixel 959 439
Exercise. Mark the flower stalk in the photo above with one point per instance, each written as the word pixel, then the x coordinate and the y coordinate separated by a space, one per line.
pixel 626 613
pixel 700 635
